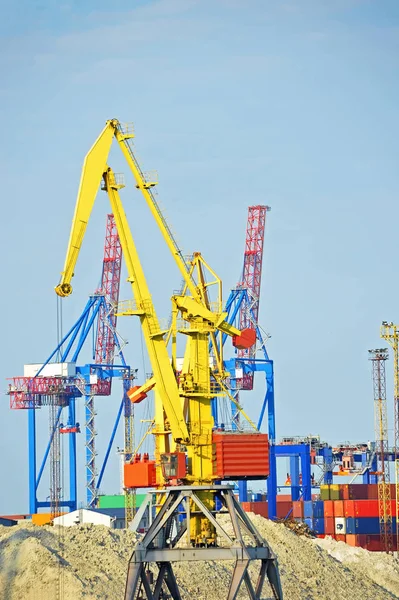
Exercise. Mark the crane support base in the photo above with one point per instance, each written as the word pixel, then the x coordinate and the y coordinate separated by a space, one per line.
pixel 168 540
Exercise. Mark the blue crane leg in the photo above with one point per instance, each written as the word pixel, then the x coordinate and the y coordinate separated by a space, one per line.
pixel 306 473
pixel 294 473
pixel 111 441
pixel 243 490
pixel 272 484
pixel 32 460
pixel 327 458
pixel 72 456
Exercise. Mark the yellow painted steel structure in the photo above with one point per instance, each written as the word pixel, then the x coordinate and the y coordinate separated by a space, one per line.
pixel 183 402
pixel 130 494
pixel 378 358
pixel 390 333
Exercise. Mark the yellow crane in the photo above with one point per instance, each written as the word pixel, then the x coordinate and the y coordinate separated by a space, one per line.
pixel 390 333
pixel 182 399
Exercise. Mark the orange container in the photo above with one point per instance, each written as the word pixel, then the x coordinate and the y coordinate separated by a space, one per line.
pixel 340 537
pixel 329 508
pixel 329 526
pixel 339 508
pixel 43 518
pixel 140 474
pixel 246 506
pixel 351 539
pixel 349 508
pixel 297 509
pixel 240 455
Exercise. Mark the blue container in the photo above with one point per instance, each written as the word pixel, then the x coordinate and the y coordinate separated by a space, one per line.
pixel 7 522
pixel 318 509
pixel 367 525
pixel 318 526
pixel 309 523
pixel 257 497
pixel 308 509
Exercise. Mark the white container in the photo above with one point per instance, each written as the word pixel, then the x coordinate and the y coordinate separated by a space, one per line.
pixel 66 369
pixel 83 516
pixel 239 373
pixel 340 525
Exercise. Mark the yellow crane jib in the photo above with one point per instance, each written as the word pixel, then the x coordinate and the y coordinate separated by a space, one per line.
pixel 92 172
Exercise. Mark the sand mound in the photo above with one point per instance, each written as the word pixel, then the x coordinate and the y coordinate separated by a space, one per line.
pixel 90 562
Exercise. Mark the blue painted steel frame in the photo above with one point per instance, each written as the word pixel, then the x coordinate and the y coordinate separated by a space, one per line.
pixel 81 328
pixel 296 453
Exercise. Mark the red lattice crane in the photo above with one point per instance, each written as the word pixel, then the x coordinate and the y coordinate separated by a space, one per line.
pixel 251 280
pixel 110 284
pixel 105 343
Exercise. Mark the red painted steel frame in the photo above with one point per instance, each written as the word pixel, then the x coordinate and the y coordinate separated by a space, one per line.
pixel 251 278
pixel 110 284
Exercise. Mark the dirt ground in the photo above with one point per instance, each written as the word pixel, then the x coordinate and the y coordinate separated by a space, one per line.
pixel 90 562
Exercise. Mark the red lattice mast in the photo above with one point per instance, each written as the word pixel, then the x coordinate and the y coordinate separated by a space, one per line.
pixel 110 283
pixel 251 279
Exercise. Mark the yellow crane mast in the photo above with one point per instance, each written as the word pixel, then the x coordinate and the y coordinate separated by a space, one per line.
pixel 378 358
pixel 182 399
pixel 390 333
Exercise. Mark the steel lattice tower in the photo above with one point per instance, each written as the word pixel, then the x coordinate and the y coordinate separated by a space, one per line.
pixel 378 358
pixel 55 458
pixel 105 343
pixel 251 279
pixel 390 333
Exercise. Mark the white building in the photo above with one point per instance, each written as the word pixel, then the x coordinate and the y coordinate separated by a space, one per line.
pixel 84 515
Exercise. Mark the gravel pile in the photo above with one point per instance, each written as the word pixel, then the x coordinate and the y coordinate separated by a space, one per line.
pixel 90 562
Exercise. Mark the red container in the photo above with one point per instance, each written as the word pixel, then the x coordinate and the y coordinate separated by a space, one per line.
pixel 339 508
pixel 366 508
pixel 260 508
pixel 246 506
pixel 349 508
pixel 374 543
pixel 340 537
pixel 240 455
pixel 329 526
pixel 140 474
pixel 283 508
pixel 321 535
pixel 354 491
pixel 297 509
pixel 372 491
pixel 328 509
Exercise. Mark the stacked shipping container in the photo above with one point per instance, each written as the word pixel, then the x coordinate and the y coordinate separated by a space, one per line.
pixel 348 513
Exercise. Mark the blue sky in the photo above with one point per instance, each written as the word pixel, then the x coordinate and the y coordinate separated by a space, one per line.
pixel 287 103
